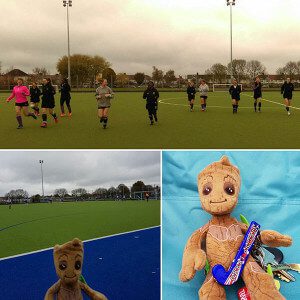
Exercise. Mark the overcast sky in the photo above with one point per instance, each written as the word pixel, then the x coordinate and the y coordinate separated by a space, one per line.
pixel 134 35
pixel 67 169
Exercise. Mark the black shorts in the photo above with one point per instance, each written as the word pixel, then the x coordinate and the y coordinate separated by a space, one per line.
pixel 22 104
pixel 48 104
pixel 203 97
pixel 257 96
pixel 191 98
pixel 289 97
pixel 63 100
pixel 236 98
pixel 35 101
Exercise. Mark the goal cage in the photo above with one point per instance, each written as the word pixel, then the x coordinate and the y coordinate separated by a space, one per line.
pixel 141 195
pixel 223 87
pixel 40 87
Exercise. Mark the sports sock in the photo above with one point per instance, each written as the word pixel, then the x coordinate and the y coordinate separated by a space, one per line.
pixel 233 108
pixel 19 119
pixel 192 105
pixel 204 105
pixel 44 117
pixel 105 120
pixel 151 117
pixel 101 119
pixel 259 105
pixel 255 105
pixel 236 107
pixel 69 108
pixel 155 117
pixel 287 108
pixel 54 115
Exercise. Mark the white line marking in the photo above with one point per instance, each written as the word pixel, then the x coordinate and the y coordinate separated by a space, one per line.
pixel 274 102
pixel 86 241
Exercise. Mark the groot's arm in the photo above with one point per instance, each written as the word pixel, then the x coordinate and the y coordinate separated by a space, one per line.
pixel 194 257
pixel 275 239
pixel 94 295
pixel 52 291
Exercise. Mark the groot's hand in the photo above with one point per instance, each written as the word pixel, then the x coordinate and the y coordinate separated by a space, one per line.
pixel 193 260
pixel 275 239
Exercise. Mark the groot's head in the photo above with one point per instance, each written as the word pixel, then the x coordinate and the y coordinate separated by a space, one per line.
pixel 219 186
pixel 68 260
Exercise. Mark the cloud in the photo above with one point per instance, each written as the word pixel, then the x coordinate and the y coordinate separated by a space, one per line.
pixel 134 35
pixel 73 169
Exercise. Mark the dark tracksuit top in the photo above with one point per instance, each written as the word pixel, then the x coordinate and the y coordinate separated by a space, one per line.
pixel 35 94
pixel 235 92
pixel 151 96
pixel 257 90
pixel 287 90
pixel 48 93
pixel 191 91
pixel 65 90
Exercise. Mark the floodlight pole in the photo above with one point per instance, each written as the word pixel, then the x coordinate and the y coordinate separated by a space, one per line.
pixel 231 3
pixel 42 173
pixel 68 3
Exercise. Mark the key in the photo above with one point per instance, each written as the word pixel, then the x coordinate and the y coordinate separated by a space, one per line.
pixel 286 275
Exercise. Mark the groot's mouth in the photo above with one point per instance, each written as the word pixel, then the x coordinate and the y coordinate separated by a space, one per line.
pixel 218 201
pixel 70 277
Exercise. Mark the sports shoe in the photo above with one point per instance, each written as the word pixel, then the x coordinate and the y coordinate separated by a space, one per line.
pixel 289 113
pixel 56 120
pixel 70 115
pixel 62 115
pixel 20 127
pixel 156 120
pixel 44 125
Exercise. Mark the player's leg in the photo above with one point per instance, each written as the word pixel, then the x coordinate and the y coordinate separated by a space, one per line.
pixel 204 102
pixel 155 113
pixel 234 106
pixel 259 104
pixel 287 105
pixel 53 114
pixel 34 107
pixel 27 113
pixel 62 107
pixel 191 104
pixel 150 113
pixel 44 117
pixel 68 103
pixel 105 117
pixel 255 104
pixel 19 117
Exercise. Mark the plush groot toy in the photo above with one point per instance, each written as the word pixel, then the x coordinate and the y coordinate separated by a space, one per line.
pixel 68 260
pixel 218 240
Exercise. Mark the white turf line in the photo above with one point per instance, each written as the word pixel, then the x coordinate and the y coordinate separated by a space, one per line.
pixel 86 241
pixel 216 106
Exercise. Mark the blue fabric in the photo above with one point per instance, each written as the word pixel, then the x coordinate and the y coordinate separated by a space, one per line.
pixel 121 267
pixel 270 195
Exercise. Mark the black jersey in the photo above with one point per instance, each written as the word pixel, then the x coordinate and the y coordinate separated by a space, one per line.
pixel 287 90
pixel 35 94
pixel 191 91
pixel 65 90
pixel 235 92
pixel 151 95
pixel 257 90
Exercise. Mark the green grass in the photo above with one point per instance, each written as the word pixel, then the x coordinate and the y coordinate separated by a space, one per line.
pixel 48 224
pixel 177 128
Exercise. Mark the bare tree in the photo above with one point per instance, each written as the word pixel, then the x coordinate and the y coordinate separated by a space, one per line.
pixel 61 192
pixel 255 68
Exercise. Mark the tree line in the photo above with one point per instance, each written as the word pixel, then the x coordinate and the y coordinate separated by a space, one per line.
pixel 120 191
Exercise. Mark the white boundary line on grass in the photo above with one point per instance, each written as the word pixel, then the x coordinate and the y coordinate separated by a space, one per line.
pixel 274 102
pixel 86 241
pixel 216 106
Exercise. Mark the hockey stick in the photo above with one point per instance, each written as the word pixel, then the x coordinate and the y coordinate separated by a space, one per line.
pixel 232 275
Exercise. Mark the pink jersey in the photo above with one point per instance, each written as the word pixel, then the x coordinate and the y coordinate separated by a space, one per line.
pixel 20 93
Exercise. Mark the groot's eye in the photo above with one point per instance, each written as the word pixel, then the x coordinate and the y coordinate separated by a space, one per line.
pixel 229 188
pixel 78 265
pixel 62 266
pixel 207 189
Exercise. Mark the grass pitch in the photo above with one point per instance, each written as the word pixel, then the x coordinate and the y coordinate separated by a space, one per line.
pixel 178 128
pixel 26 228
